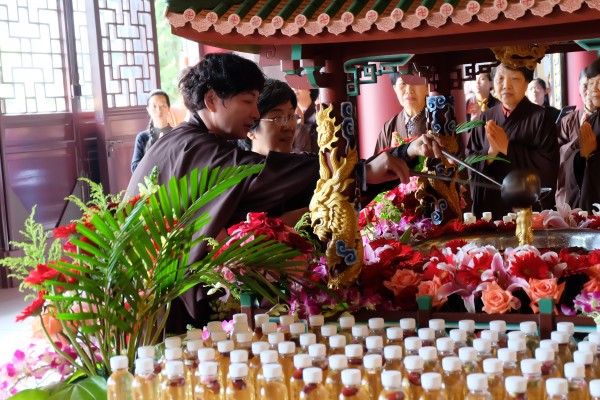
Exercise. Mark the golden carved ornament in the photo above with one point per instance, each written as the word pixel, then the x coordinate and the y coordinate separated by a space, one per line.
pixel 528 56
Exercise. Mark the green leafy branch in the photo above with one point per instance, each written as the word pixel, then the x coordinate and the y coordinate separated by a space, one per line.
pixel 474 159
pixel 467 126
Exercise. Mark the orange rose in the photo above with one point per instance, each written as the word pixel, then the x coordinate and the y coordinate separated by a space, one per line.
pixel 430 288
pixel 544 288
pixel 593 285
pixel 594 271
pixel 401 279
pixel 496 300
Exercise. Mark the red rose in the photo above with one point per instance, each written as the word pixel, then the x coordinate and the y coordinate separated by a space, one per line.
pixel 594 257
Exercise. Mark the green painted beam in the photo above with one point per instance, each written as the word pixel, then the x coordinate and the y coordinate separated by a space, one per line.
pixel 266 10
pixel 357 6
pixel 311 8
pixel 589 44
pixel 404 5
pixel 245 8
pixel 296 52
pixel 428 4
pixel 380 5
pixel 453 3
pixel 333 8
pixel 289 9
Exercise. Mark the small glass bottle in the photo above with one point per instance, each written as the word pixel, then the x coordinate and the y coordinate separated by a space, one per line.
pixel 532 338
pixel 267 328
pixel 243 341
pixel 377 328
pixel 238 387
pixel 430 358
pixel 595 389
pixel 509 362
pixel 318 352
pixel 216 337
pixel 275 338
pixel 432 387
pixel 371 380
pixel 594 337
pixel 393 358
pixel 564 350
pixel 337 344
pixel 546 357
pixel 395 337
pixel 374 345
pixel 392 386
pixel 225 347
pixel 354 353
pixel 408 326
pixel 468 325
pixel 515 388
pixel 145 384
pixel 359 335
pixel 439 327
pixel 194 334
pixel 484 350
pixel 284 325
pixel 460 339
pixel 346 324
pixel 238 356
pixel 468 357
pixel 301 362
pixel 499 326
pixel 519 346
pixel 427 336
pixel 557 389
pixel 493 368
pixel 150 352
pixel 266 357
pixel 313 385
pixel 207 354
pixel 171 354
pixel 445 347
pixel 287 351
pixel 411 380
pixel 333 384
pixel 492 337
pixel 578 386
pixel 254 364
pixel 173 342
pixel 173 388
pixel 208 386
pixel 273 388
pixel 190 363
pixel 478 387
pixel 326 332
pixel 412 345
pixel 352 389
pixel 552 345
pixel 296 329
pixel 590 347
pixel 532 371
pixel 213 326
pixel 306 339
pixel 569 329
pixel 315 322
pixel 586 358
pixel 259 320
pixel 453 378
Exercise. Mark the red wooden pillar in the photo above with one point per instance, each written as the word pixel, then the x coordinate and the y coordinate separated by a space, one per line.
pixel 575 62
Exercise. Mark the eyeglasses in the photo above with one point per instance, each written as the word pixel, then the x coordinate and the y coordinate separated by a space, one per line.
pixel 283 120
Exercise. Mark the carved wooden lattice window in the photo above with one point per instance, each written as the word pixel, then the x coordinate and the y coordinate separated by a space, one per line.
pixel 127 51
pixel 82 46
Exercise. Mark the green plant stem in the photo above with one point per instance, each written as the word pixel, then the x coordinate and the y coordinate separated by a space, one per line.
pixel 162 323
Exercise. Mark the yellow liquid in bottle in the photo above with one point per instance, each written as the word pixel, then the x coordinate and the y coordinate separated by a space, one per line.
pixel 224 362
pixel 411 385
pixel 333 384
pixel 564 353
pixel 145 387
pixel 535 388
pixel 296 384
pixel 431 366
pixel 173 389
pixel 434 395
pixel 208 389
pixel 239 389
pixel 393 365
pixel 274 389
pixel 496 385
pixel 389 394
pixel 313 391
pixel 372 383
pixel 511 370
pixel 454 384
pixel 287 366
pixel 480 396
pixel 118 386
pixel 578 389
pixel 354 393
pixel 190 369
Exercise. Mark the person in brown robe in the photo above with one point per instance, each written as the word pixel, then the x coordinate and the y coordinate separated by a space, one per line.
pixel 306 132
pixel 221 93
pixel 519 131
pixel 582 181
pixel 412 93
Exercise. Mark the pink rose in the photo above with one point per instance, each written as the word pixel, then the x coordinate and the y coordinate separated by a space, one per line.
pixel 228 275
pixel 403 278
pixel 430 288
pixel 496 300
pixel 544 288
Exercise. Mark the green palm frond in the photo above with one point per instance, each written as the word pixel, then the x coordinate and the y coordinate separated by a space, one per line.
pixel 474 159
pixel 467 126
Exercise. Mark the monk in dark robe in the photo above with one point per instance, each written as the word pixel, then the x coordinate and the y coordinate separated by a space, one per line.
pixel 412 93
pixel 582 180
pixel 518 131
pixel 221 93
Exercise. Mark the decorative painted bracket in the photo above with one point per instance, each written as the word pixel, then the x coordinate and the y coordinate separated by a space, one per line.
pixel 363 71
pixel 589 44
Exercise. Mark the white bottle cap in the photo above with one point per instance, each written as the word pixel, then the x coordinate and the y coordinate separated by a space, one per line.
pixel 531 366
pixel 498 326
pixel 286 320
pixel 225 346
pixel 574 370
pixel 275 338
pixel 507 355
pixel 269 357
pixel 595 388
pixel 302 361
pixel 376 323
pixel 218 336
pixel 437 324
pixel 557 387
pixel 426 334
pixel 214 326
pixel 583 357
pixel 594 337
pixel 347 322
pixel 328 330
pixel 492 336
pixel 549 344
pixel 318 350
pixel 316 320
pixel 528 327
pixel 244 337
pixel 297 328
pixel 458 335
pixel 172 341
pixel 413 362
pixel 260 319
pixel 466 325
pixel 451 364
pixel 269 327
pixel 560 337
pixel 408 323
pixel 428 353
pixel 516 335
pixel 312 375
pixel 517 344
pixel 492 366
pixel 194 334
pixel 194 345
pixel 412 343
pixel 238 356
pixel 568 327
pixel 306 339
pixel 515 384
pixel 337 341
pixel 173 354
pixel 467 354
pixel 544 355
pixel 241 327
pixel 392 352
pixel 146 352
pixel 391 379
pixel 338 362
pixel 444 344
pixel 394 333
pixel 259 347
pixel 238 370
pixel 360 331
pixel 206 354
pixel 431 381
pixel 372 361
pixel 272 371
pixel 587 346
pixel 241 317
pixel 351 377
pixel 374 342
pixel 477 382
pixel 353 350
pixel 144 365
pixel 208 368
pixel 482 345
pixel 174 368
pixel 286 347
